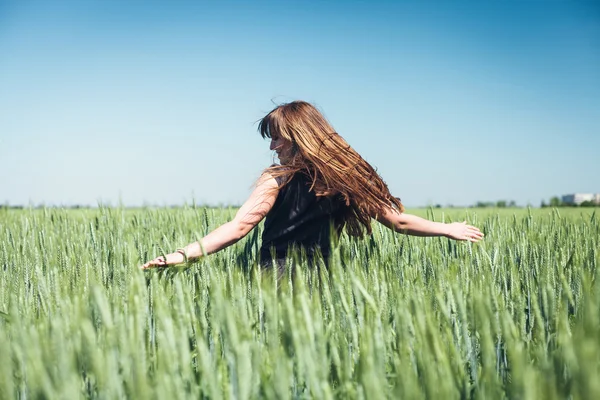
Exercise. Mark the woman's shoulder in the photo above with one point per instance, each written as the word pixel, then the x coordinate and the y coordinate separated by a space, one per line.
pixel 279 173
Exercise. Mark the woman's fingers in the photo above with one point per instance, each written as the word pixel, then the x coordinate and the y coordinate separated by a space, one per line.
pixel 474 234
pixel 157 262
pixel 468 232
pixel 147 265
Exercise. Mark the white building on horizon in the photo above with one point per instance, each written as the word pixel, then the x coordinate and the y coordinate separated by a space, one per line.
pixel 578 198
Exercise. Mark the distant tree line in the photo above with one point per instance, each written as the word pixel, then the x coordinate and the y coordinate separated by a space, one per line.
pixel 88 207
pixel 37 207
pixel 557 202
pixel 9 207
pixel 497 204
pixel 554 202
pixel 483 204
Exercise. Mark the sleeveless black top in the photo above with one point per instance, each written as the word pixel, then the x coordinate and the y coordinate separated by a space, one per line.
pixel 300 218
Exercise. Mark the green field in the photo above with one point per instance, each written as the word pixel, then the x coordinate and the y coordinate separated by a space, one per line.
pixel 516 316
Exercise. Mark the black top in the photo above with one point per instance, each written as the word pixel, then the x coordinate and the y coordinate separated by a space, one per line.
pixel 300 218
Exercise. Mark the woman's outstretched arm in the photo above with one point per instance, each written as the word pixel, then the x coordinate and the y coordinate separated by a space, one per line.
pixel 248 216
pixel 417 226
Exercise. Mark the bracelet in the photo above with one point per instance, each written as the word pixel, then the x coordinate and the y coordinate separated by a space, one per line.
pixel 183 253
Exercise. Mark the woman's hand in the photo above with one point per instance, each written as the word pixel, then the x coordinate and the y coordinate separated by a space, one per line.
pixel 173 258
pixel 462 231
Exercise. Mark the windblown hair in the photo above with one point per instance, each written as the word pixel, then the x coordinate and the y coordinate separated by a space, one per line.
pixel 327 159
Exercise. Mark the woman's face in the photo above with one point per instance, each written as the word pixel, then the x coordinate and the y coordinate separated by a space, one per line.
pixel 282 147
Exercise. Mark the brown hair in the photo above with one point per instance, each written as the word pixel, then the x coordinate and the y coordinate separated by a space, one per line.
pixel 334 167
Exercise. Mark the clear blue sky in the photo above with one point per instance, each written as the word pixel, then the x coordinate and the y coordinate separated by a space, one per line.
pixel 156 102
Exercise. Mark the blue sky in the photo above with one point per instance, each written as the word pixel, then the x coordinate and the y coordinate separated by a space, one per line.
pixel 147 102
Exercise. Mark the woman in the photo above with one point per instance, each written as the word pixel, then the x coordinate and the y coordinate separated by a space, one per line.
pixel 321 187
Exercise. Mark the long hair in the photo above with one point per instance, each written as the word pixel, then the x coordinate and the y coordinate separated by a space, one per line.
pixel 332 165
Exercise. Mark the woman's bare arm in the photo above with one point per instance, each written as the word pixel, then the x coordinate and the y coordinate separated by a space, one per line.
pixel 417 226
pixel 248 216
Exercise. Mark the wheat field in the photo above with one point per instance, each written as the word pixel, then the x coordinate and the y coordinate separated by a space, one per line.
pixel 515 316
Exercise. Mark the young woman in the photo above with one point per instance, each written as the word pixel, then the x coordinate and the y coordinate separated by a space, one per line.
pixel 321 187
